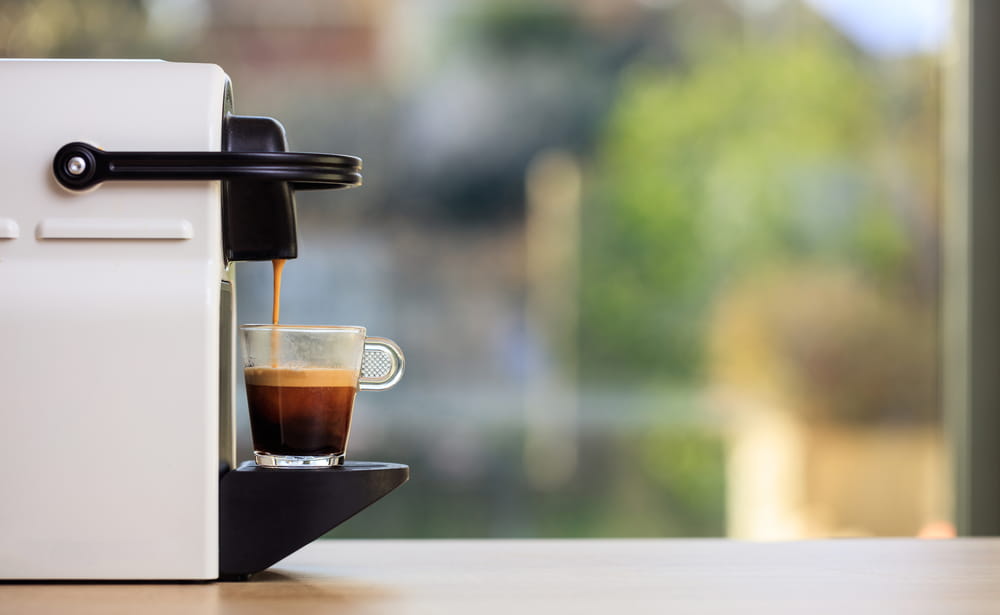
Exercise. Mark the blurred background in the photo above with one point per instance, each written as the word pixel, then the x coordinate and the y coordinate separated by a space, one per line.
pixel 660 267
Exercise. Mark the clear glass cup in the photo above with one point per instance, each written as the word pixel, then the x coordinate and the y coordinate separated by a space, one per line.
pixel 301 384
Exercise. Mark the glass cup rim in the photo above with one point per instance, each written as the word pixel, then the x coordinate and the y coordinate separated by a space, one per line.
pixel 305 328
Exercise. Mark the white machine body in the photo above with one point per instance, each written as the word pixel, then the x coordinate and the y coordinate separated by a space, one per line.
pixel 109 327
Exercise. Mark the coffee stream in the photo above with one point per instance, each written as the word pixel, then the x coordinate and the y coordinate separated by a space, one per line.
pixel 279 267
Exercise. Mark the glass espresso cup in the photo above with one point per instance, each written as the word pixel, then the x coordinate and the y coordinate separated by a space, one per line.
pixel 301 383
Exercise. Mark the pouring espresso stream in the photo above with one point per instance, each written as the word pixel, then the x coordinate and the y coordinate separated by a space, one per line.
pixel 279 267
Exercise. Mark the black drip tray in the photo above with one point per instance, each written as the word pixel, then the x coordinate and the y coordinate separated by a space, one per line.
pixel 265 514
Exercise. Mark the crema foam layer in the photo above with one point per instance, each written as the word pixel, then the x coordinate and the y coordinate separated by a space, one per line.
pixel 301 377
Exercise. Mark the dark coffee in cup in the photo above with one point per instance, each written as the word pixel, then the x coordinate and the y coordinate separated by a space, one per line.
pixel 300 411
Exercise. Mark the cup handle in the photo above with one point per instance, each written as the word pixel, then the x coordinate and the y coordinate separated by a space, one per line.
pixel 381 364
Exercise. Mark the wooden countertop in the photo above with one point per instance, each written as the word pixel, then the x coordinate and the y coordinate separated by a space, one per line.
pixel 439 577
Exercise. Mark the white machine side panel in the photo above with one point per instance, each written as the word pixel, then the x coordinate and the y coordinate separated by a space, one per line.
pixel 109 308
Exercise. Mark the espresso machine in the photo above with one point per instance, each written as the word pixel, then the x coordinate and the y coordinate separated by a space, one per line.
pixel 130 190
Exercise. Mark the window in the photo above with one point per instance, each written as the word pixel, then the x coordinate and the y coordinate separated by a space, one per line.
pixel 660 268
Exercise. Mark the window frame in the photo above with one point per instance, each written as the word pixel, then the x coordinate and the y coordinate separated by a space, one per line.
pixel 971 252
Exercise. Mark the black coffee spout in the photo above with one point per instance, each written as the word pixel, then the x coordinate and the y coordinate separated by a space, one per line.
pixel 259 180
pixel 258 217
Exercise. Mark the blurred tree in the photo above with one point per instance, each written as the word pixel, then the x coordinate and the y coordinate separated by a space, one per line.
pixel 753 155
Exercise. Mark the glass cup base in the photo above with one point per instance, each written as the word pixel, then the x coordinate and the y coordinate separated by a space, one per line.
pixel 297 461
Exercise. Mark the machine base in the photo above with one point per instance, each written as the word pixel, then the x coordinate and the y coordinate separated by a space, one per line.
pixel 266 514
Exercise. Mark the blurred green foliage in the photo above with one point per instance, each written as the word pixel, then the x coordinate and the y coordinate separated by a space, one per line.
pixel 751 154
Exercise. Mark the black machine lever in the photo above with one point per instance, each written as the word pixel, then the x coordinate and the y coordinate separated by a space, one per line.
pixel 79 166
pixel 259 179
